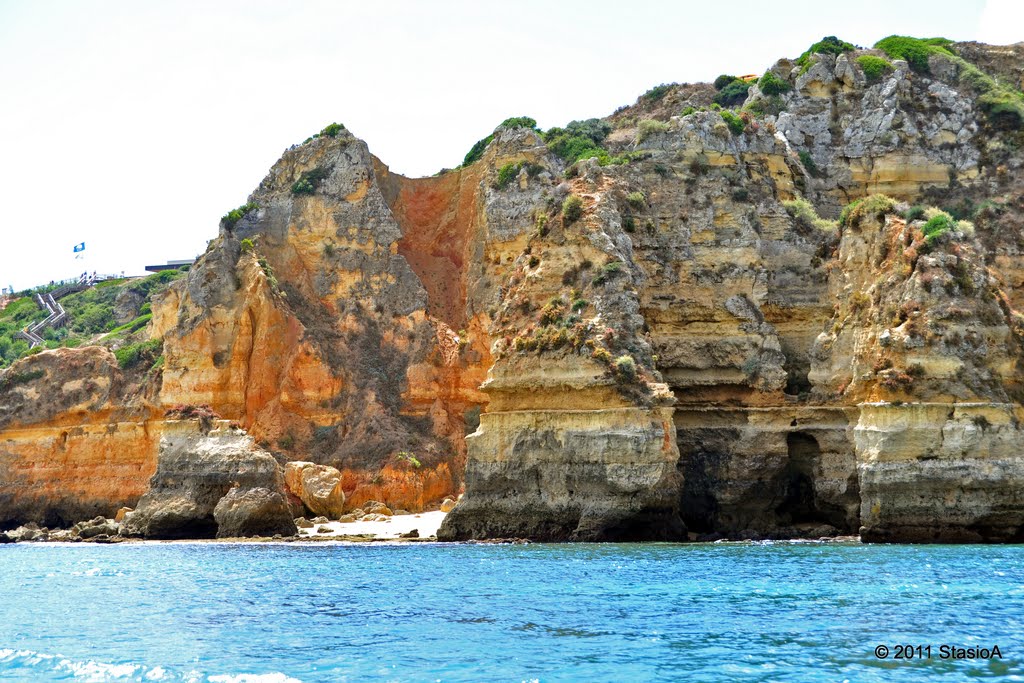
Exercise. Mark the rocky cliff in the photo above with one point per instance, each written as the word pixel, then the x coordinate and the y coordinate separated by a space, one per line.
pixel 786 307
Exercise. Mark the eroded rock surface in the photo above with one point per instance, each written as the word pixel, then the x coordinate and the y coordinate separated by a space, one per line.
pixel 683 339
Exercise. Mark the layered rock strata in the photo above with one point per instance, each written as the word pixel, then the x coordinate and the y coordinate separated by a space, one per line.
pixel 682 339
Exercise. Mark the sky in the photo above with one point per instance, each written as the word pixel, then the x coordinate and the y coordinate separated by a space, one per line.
pixel 133 125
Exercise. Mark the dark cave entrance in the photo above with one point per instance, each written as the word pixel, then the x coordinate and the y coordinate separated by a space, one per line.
pixel 797 481
pixel 801 504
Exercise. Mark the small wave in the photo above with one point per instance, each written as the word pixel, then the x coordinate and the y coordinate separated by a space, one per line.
pixel 60 666
pixel 29 665
pixel 253 678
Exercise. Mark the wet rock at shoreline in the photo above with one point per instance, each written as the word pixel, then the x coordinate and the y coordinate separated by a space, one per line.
pixel 255 511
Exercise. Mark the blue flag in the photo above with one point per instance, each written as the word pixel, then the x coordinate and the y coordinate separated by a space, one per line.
pixel 79 247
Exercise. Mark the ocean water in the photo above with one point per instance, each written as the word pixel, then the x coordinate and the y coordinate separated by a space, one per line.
pixel 241 613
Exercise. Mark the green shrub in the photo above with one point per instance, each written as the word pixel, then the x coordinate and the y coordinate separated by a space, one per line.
pixel 477 150
pixel 1004 108
pixel 733 94
pixel 637 200
pixel 770 84
pixel 657 92
pixel 874 67
pixel 914 213
pixel 572 146
pixel 506 174
pixel 828 45
pixel 572 209
pixel 805 214
pixel 625 367
pixel 688 111
pixel 595 129
pixel 137 354
pixel 610 270
pixel 808 161
pixel 232 217
pixel 332 129
pixel 519 122
pixel 876 205
pixel 13 379
pixel 735 123
pixel 724 80
pixel 309 181
pixel 937 226
pixel 649 127
pixel 247 245
pixel 914 50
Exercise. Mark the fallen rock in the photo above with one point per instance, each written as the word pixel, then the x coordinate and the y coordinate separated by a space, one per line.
pixel 375 507
pixel 4 538
pixel 317 486
pixel 303 523
pixel 253 511
pixel 320 520
pixel 324 530
pixel 347 519
pixel 396 513
pixel 447 505
pixel 415 533
pixel 96 527
pixel 375 517
pixel 29 532
pixel 119 517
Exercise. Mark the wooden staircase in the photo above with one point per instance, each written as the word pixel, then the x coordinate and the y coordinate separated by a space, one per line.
pixel 57 315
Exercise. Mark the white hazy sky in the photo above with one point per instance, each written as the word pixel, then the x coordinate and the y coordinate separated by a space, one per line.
pixel 133 125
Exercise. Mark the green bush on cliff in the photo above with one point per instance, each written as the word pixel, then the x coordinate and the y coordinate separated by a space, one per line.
pixel 915 51
pixel 806 215
pixel 735 123
pixel 625 367
pixel 657 93
pixel 876 205
pixel 808 162
pixel 232 217
pixel 770 84
pixel 332 129
pixel 135 355
pixel 477 150
pixel 875 68
pixel 733 94
pixel 309 181
pixel 649 127
pixel 13 379
pixel 724 80
pixel 519 122
pixel 572 209
pixel 829 45
pixel 1004 108
pixel 938 225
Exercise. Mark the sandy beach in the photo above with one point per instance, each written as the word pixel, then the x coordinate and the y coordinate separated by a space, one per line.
pixel 425 524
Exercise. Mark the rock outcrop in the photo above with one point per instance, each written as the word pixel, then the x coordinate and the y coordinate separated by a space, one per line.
pixel 674 322
pixel 318 487
pixel 211 482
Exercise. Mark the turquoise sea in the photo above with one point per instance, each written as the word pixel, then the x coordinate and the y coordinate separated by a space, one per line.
pixel 434 612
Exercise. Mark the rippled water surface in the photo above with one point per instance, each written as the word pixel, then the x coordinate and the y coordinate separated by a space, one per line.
pixel 700 612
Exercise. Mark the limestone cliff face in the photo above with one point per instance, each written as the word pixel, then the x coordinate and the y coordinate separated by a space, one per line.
pixel 78 437
pixel 684 339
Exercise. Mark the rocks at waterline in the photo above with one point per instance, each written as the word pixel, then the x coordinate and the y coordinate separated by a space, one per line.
pixel 196 471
